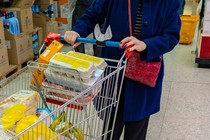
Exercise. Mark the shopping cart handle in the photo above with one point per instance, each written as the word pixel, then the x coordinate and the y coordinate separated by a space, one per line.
pixel 95 42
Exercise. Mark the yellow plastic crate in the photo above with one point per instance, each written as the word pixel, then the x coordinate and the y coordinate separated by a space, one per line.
pixel 187 31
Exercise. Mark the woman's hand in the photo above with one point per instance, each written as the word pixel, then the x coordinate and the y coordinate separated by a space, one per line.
pixel 133 44
pixel 70 37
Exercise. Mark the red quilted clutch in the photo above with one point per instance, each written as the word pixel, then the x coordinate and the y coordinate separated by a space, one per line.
pixel 142 71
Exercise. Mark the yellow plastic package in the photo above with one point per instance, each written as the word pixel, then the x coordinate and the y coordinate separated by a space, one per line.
pixel 12 115
pixel 85 68
pixel 27 97
pixel 45 57
pixel 98 62
pixel 40 131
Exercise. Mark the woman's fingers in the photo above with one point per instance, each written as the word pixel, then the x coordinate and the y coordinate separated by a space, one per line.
pixel 76 44
pixel 139 46
pixel 124 41
pixel 132 43
pixel 70 37
pixel 128 41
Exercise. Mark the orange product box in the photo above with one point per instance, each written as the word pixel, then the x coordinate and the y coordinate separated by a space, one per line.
pixel 50 51
pixel 45 57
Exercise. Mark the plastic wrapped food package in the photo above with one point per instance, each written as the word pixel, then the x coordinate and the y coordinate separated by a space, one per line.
pixel 40 131
pixel 12 114
pixel 27 97
pixel 65 94
pixel 43 112
pixel 98 62
pixel 72 83
pixel 85 68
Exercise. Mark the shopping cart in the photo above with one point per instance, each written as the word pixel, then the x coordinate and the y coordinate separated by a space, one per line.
pixel 85 113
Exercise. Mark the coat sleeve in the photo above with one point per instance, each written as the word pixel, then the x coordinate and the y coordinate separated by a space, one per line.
pixel 96 13
pixel 165 42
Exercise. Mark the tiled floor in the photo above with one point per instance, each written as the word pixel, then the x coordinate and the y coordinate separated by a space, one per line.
pixel 185 102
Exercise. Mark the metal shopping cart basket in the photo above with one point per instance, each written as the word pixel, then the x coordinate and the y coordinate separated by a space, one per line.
pixel 85 113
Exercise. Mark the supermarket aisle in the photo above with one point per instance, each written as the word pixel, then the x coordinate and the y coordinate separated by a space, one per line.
pixel 185 102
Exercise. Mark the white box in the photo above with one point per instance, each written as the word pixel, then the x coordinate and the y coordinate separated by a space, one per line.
pixel 65 9
pixel 206 27
pixel 62 28
pixel 207 11
pixel 64 24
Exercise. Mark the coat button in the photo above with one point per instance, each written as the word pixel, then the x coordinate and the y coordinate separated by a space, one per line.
pixel 146 23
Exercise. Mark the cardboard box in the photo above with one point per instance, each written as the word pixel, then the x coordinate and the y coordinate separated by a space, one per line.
pixel 62 28
pixel 4 61
pixel 9 36
pixel 43 7
pixel 41 2
pixel 2 37
pixel 51 26
pixel 20 49
pixel 64 8
pixel 25 19
pixel 41 19
pixel 64 24
pixel 23 3
pixel 56 10
pixel 39 32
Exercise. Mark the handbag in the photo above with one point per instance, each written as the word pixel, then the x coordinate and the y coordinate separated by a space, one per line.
pixel 137 69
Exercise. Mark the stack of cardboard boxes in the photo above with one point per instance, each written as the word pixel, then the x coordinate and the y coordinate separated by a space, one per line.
pixel 19 46
pixel 4 61
pixel 43 4
pixel 63 13
pixel 41 20
pixel 18 49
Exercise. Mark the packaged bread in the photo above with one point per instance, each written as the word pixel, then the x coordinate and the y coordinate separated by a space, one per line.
pixel 98 62
pixel 85 68
pixel 27 97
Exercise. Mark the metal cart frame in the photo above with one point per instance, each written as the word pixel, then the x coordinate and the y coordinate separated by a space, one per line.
pixel 93 119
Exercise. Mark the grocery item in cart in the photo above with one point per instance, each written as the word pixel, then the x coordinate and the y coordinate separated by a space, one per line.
pixel 50 51
pixel 40 131
pixel 11 115
pixel 61 125
pixel 84 68
pixel 98 62
pixel 45 57
pixel 61 93
pixel 62 79
pixel 43 112
pixel 27 97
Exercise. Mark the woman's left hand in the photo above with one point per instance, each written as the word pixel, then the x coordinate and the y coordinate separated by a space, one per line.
pixel 133 44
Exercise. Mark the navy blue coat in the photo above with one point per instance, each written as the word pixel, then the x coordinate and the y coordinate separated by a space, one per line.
pixel 160 31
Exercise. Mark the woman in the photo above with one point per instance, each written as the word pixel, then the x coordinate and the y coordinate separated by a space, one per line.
pixel 156 25
pixel 80 7
pixel 181 9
